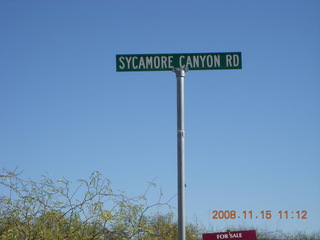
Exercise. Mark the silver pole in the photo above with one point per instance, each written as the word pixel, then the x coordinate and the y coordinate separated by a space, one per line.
pixel 180 74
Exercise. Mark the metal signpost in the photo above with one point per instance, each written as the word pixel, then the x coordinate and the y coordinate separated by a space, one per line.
pixel 180 64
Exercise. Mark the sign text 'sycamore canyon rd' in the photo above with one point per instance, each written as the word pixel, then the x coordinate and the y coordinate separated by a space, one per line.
pixel 167 62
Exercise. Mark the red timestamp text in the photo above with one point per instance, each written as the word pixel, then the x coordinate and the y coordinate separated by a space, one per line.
pixel 264 214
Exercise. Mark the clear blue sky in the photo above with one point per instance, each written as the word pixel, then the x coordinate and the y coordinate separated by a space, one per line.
pixel 252 135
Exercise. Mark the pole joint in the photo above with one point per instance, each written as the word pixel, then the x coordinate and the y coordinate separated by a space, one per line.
pixel 180 72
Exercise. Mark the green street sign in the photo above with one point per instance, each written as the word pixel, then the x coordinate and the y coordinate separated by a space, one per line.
pixel 167 62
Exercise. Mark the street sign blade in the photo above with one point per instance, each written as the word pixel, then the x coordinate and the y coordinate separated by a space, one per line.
pixel 190 61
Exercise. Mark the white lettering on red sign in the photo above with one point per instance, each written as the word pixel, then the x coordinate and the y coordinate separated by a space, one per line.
pixel 222 236
pixel 229 235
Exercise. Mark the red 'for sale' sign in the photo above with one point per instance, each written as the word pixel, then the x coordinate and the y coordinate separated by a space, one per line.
pixel 238 235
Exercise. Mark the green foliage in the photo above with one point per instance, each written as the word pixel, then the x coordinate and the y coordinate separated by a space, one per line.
pixel 58 210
